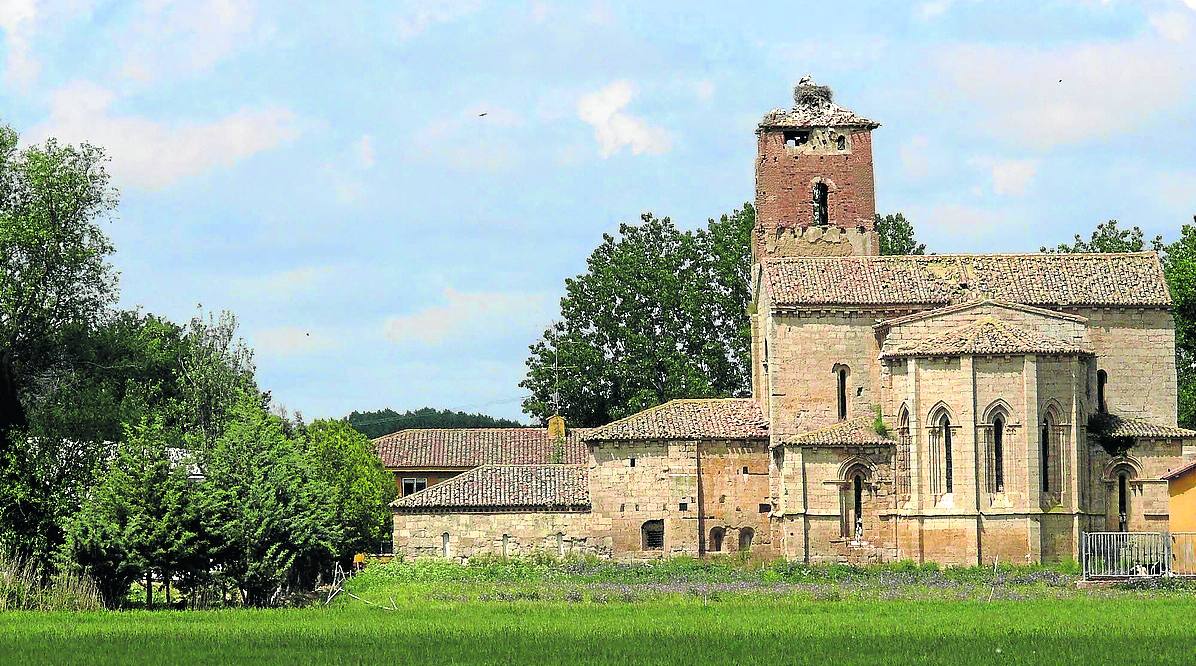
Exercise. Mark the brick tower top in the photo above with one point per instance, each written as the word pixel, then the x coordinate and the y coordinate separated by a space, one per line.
pixel 815 194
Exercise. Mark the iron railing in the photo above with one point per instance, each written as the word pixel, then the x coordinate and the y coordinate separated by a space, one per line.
pixel 1112 555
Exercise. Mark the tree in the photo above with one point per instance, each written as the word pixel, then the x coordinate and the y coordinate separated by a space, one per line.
pixel 133 524
pixel 344 460
pixel 897 235
pixel 659 314
pixel 1179 265
pixel 216 370
pixel 385 421
pixel 1109 238
pixel 269 518
pixel 54 270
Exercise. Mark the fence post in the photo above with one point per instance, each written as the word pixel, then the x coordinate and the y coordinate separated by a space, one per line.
pixel 1167 553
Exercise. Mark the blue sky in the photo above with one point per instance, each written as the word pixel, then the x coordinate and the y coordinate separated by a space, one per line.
pixel 325 173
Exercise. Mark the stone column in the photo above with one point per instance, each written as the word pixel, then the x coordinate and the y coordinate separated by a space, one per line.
pixel 1032 457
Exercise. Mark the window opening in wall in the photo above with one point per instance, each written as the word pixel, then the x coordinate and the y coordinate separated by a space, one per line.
pixel 821 196
pixel 857 509
pixel 413 485
pixel 444 544
pixel 652 535
pixel 745 539
pixel 841 142
pixel 631 462
pixel 842 376
pixel 745 470
pixel 722 499
pixel 683 506
pixel 765 355
pixel 795 138
pixel 904 441
pixel 999 454
pixel 506 544
pixel 716 539
pixel 948 473
pixel 765 508
pixel 1102 378
pixel 1044 444
pixel 1123 502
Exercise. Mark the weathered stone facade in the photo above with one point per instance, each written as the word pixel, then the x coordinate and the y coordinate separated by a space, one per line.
pixel 950 408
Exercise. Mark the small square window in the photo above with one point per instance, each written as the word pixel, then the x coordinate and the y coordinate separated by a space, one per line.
pixel 683 506
pixel 414 485
pixel 745 470
pixel 765 508
pixel 795 138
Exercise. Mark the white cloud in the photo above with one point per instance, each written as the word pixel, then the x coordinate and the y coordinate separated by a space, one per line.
pixel 704 90
pixel 180 37
pixel 1051 96
pixel 283 285
pixel 1191 4
pixel 933 9
pixel 959 227
pixel 471 316
pixel 152 154
pixel 914 158
pixel 364 150
pixel 17 18
pixel 1009 177
pixel 418 17
pixel 614 129
pixel 289 341
pixel 1174 26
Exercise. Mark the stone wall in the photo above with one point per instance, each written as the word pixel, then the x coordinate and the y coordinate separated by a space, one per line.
pixel 785 178
pixel 497 534
pixel 1136 347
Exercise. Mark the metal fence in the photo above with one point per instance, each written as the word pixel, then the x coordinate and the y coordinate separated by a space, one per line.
pixel 1111 555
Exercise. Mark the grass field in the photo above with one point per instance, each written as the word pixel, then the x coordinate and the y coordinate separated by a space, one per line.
pixel 604 615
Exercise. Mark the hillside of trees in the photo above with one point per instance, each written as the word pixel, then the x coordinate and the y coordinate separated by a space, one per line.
pixel 385 421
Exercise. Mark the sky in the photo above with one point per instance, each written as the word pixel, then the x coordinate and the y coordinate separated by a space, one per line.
pixel 325 170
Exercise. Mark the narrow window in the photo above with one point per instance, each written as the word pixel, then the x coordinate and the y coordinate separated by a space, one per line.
pixel 444 545
pixel 414 485
pixel 1123 502
pixel 821 194
pixel 1102 378
pixel 857 508
pixel 948 477
pixel 1045 462
pixel 841 142
pixel 745 470
pixel 766 355
pixel 745 539
pixel 716 539
pixel 999 454
pixel 631 462
pixel 652 535
pixel 795 138
pixel 842 375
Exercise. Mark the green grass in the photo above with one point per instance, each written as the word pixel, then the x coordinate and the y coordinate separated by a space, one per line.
pixel 678 612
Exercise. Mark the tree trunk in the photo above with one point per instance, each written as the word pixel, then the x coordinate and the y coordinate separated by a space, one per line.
pixel 166 578
pixel 12 414
pixel 149 591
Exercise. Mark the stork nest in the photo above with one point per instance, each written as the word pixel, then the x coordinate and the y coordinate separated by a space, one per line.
pixel 812 95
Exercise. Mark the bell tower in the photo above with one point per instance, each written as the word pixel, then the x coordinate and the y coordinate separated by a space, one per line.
pixel 815 194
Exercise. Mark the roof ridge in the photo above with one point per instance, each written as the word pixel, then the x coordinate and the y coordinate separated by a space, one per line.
pixel 960 255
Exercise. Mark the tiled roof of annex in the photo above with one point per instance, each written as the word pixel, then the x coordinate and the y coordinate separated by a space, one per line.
pixel 468 447
pixel 700 419
pixel 1046 280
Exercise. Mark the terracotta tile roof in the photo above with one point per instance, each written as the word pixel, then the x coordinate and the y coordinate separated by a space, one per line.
pixel 714 418
pixel 1180 472
pixel 1053 280
pixel 971 305
pixel 856 431
pixel 986 336
pixel 469 447
pixel 560 487
pixel 1123 427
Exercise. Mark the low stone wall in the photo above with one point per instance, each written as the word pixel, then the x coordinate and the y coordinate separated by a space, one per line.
pixel 498 534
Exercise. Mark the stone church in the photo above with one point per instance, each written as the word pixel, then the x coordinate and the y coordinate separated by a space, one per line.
pixel 959 409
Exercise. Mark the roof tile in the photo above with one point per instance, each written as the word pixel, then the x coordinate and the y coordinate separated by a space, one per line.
pixel 468 447
pixel 986 336
pixel 715 418
pixel 560 487
pixel 857 431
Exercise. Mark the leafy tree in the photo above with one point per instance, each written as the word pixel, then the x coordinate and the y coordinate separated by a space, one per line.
pixel 1179 265
pixel 54 270
pixel 385 421
pixel 132 525
pixel 361 488
pixel 216 370
pixel 271 524
pixel 659 314
pixel 1107 237
pixel 897 235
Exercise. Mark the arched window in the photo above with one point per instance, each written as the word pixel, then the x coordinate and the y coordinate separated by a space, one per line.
pixel 820 199
pixel 1123 501
pixel 652 535
pixel 717 534
pixel 841 142
pixel 999 454
pixel 1044 444
pixel 948 476
pixel 1102 378
pixel 857 509
pixel 745 539
pixel 444 545
pixel 841 379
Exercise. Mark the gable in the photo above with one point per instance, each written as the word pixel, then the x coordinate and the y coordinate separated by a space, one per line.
pixel 984 328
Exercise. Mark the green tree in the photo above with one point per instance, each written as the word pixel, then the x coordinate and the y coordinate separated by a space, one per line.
pixel 361 488
pixel 659 314
pixel 270 520
pixel 897 235
pixel 132 524
pixel 216 370
pixel 1179 265
pixel 1107 237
